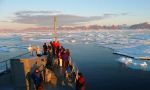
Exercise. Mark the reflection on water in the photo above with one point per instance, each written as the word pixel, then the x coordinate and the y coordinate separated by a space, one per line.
pixel 103 71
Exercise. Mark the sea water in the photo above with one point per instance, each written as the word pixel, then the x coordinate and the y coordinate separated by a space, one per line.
pixel 92 53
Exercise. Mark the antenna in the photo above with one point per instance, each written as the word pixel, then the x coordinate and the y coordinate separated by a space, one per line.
pixel 55 28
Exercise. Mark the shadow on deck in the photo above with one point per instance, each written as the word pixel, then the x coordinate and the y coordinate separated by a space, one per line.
pixel 5 82
pixel 56 80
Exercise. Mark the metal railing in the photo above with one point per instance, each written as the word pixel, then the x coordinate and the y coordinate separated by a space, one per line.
pixel 76 69
pixel 5 64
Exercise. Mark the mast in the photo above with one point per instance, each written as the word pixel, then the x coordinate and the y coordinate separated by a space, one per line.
pixel 55 28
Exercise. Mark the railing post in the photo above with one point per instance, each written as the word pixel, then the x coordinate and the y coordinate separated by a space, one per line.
pixel 6 66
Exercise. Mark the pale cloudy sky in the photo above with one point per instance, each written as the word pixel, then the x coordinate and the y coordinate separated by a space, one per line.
pixel 19 14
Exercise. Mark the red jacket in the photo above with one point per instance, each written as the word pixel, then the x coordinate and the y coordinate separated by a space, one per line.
pixel 56 45
pixel 80 84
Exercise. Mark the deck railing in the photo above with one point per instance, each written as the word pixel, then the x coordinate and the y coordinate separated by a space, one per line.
pixel 5 64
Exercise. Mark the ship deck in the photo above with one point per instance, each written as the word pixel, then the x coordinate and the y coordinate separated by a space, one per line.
pixel 6 79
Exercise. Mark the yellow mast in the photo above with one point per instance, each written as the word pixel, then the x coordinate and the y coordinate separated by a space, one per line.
pixel 55 28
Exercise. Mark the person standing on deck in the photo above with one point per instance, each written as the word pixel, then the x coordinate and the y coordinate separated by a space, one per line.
pixel 56 45
pixel 49 56
pixel 69 73
pixel 65 58
pixel 68 52
pixel 69 56
pixel 60 61
pixel 38 51
pixel 45 49
pixel 53 51
pixel 37 79
pixel 59 50
pixel 30 49
pixel 80 82
pixel 50 50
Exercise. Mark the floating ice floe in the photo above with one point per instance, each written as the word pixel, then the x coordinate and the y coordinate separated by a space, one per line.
pixel 73 41
pixel 144 64
pixel 134 43
pixel 4 49
pixel 43 40
pixel 135 64
pixel 129 61
pixel 125 60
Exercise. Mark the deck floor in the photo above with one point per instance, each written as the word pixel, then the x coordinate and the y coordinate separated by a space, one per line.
pixel 5 82
pixel 57 76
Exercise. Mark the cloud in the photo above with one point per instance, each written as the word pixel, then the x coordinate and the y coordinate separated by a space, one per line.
pixel 24 13
pixel 45 18
pixel 125 13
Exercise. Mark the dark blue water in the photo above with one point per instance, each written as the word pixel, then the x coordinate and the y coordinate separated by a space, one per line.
pixel 103 72
pixel 99 66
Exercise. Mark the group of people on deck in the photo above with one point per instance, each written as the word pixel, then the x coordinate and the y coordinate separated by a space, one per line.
pixel 55 50
pixel 57 53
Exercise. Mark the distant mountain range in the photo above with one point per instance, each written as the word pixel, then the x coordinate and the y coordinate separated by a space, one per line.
pixel 144 25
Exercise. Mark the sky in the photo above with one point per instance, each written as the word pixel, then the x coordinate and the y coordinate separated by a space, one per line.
pixel 20 14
